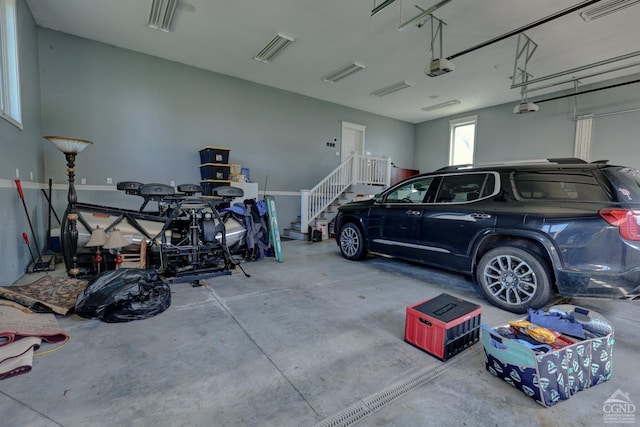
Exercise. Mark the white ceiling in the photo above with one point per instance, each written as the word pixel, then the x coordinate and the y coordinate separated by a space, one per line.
pixel 224 36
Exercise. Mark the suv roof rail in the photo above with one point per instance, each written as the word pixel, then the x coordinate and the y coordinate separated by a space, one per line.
pixel 556 160
pixel 567 160
pixel 455 167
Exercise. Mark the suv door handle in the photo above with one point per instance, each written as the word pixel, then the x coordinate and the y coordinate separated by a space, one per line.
pixel 410 212
pixel 479 215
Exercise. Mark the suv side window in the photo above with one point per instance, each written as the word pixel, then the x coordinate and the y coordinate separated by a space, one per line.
pixel 626 182
pixel 559 185
pixel 410 192
pixel 465 187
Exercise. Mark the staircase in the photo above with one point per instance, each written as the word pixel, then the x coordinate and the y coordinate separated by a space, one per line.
pixel 295 231
pixel 319 205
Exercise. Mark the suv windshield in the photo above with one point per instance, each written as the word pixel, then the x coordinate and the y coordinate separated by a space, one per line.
pixel 626 182
pixel 559 185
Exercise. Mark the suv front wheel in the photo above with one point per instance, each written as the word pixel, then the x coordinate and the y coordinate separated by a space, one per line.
pixel 514 279
pixel 351 242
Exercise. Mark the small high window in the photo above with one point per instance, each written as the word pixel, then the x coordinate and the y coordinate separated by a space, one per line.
pixel 462 138
pixel 9 72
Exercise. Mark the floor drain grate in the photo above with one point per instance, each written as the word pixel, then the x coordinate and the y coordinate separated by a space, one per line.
pixel 370 404
pixel 346 417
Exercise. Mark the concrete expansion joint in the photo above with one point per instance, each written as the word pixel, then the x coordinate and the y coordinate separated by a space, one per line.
pixel 205 303
pixel 259 347
pixel 257 293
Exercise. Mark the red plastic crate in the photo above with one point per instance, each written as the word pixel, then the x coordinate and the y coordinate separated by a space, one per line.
pixel 443 326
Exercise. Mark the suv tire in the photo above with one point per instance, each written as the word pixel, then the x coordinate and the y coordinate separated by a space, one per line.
pixel 514 279
pixel 351 242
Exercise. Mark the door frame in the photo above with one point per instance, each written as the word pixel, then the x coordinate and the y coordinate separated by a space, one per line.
pixel 348 126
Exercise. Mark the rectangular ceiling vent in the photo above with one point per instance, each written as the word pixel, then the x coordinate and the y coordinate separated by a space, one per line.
pixel 392 88
pixel 274 48
pixel 605 8
pixel 161 14
pixel 343 72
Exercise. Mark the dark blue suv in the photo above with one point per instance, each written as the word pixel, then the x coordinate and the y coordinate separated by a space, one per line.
pixel 524 231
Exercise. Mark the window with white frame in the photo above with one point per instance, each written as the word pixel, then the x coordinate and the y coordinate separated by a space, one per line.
pixel 9 74
pixel 462 137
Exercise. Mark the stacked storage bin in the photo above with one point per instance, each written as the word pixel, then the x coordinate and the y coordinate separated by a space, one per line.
pixel 215 170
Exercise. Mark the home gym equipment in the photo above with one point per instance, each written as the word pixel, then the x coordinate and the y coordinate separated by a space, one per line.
pixel 185 237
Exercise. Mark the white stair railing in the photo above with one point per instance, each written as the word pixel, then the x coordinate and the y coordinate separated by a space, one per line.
pixel 356 169
pixel 372 170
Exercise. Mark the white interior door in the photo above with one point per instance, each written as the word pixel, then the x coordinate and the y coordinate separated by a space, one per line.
pixel 352 140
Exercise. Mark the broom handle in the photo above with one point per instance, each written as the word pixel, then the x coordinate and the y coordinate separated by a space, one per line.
pixel 26 211
pixel 26 240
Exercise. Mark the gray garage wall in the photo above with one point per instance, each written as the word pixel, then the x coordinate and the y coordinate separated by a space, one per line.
pixel 549 132
pixel 615 137
pixel 148 117
pixel 22 150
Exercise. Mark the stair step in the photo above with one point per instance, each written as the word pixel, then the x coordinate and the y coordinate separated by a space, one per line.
pixel 295 234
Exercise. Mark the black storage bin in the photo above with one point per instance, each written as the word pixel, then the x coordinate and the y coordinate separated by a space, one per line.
pixel 215 171
pixel 214 155
pixel 210 184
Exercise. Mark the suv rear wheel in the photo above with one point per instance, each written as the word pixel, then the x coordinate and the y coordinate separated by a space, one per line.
pixel 514 279
pixel 351 242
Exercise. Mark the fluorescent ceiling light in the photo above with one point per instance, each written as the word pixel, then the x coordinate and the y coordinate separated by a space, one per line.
pixel 392 88
pixel 605 8
pixel 274 48
pixel 162 13
pixel 343 72
pixel 442 105
pixel 381 6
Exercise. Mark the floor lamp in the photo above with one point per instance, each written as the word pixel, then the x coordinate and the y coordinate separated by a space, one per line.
pixel 71 147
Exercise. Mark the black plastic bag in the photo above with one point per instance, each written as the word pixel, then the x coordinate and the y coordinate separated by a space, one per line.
pixel 124 295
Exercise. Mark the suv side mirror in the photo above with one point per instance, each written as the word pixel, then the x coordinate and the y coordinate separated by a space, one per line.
pixel 378 198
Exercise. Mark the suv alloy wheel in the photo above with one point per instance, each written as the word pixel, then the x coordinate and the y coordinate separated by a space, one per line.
pixel 514 279
pixel 352 242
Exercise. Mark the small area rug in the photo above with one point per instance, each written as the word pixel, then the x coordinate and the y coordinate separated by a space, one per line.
pixel 21 333
pixel 47 294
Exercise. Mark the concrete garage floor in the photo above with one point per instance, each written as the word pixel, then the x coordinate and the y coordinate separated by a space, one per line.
pixel 316 340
